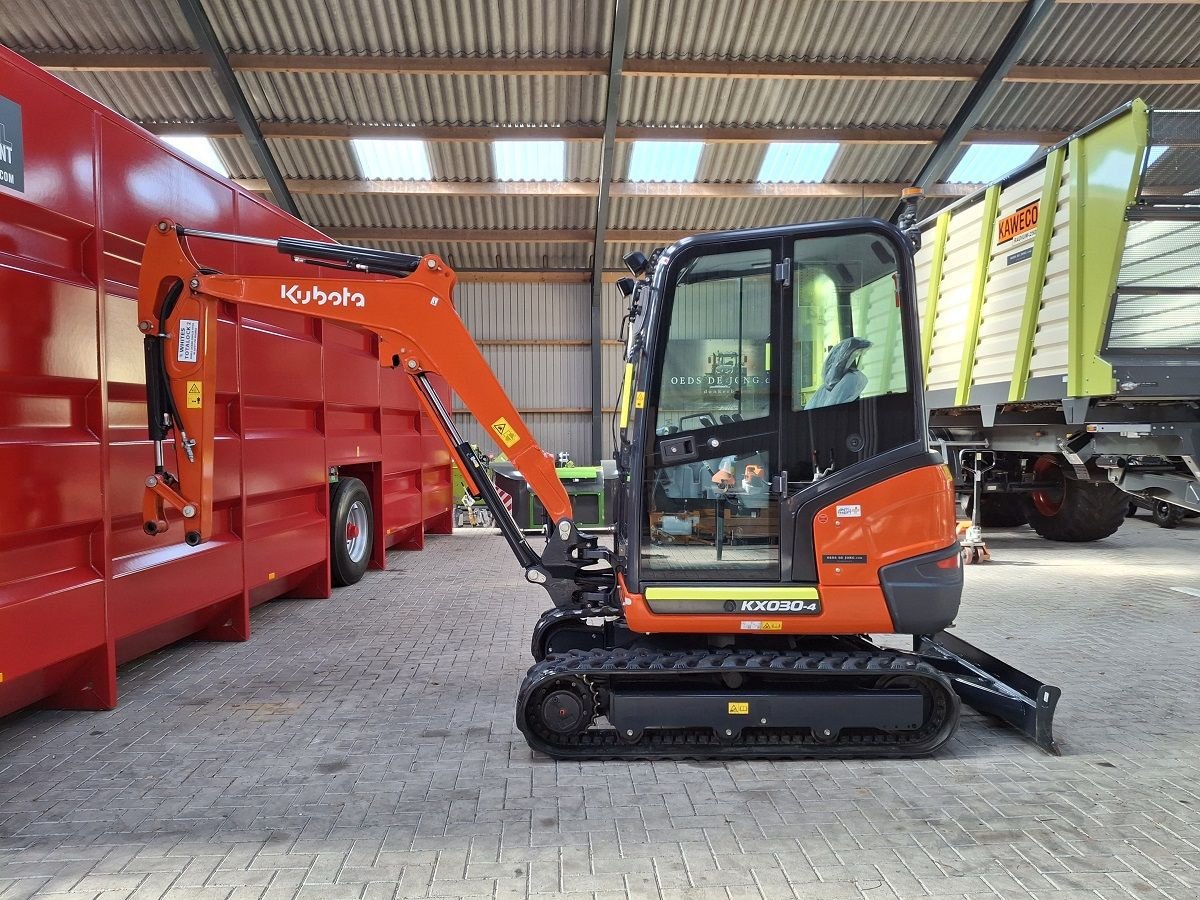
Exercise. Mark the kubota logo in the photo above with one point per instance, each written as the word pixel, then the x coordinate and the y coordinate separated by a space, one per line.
pixel 304 296
pixel 796 606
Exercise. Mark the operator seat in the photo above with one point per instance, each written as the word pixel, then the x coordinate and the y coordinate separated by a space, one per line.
pixel 842 380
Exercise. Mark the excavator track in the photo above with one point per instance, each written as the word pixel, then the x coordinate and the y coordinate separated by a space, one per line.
pixel 652 704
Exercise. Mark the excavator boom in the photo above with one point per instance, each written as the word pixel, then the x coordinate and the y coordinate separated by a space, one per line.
pixel 420 334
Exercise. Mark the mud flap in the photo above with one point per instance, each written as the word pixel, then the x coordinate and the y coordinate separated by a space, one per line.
pixel 994 687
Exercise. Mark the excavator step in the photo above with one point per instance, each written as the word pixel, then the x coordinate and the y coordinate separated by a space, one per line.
pixel 655 704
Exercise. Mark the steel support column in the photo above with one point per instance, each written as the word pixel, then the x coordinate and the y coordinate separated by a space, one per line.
pixel 1031 16
pixel 620 32
pixel 206 38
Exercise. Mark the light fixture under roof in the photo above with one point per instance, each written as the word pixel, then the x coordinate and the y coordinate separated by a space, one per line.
pixel 665 160
pixel 796 162
pixel 984 163
pixel 530 160
pixel 393 159
pixel 200 149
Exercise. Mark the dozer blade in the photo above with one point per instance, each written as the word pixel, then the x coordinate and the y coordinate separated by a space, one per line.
pixel 993 687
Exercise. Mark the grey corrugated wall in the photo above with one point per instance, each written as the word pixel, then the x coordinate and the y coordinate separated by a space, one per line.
pixel 537 373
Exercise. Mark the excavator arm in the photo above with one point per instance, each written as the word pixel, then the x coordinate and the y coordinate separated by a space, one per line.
pixel 420 335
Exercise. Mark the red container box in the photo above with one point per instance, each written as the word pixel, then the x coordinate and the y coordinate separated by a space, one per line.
pixel 82 587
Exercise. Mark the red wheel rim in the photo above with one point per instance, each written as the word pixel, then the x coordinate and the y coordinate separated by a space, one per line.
pixel 1048 501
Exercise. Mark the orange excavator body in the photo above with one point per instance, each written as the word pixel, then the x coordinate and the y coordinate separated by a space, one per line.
pixel 842 523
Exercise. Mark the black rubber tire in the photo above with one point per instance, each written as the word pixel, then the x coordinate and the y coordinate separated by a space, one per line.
pixel 1089 510
pixel 344 568
pixel 1001 511
pixel 1132 511
pixel 1166 515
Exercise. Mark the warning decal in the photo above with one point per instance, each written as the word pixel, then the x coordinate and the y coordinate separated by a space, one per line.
pixel 505 432
pixel 641 400
pixel 189 335
pixel 739 709
pixel 759 625
pixel 194 393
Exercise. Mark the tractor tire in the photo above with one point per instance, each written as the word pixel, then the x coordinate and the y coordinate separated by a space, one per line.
pixel 351 531
pixel 1166 515
pixel 1001 511
pixel 1072 510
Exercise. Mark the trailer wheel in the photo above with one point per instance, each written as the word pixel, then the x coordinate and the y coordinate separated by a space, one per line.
pixel 351 531
pixel 1166 515
pixel 1070 509
pixel 1001 511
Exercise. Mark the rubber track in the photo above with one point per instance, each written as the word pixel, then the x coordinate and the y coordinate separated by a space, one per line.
pixel 601 666
pixel 552 617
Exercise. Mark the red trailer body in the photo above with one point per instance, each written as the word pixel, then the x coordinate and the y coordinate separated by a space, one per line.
pixel 82 588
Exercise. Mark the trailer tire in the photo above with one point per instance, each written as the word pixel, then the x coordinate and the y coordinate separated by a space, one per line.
pixel 1166 515
pixel 351 531
pixel 1073 510
pixel 1002 511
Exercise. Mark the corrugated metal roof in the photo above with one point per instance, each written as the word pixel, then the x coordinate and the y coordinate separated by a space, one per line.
pixel 438 211
pixel 154 96
pixel 836 30
pixel 699 214
pixel 843 30
pixel 1072 106
pixel 417 27
pixel 101 26
pixel 533 255
pixel 814 104
pixel 1130 34
pixel 425 99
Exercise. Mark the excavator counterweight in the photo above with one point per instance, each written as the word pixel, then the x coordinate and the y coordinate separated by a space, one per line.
pixel 777 499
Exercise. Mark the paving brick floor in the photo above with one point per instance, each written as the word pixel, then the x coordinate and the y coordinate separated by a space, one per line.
pixel 364 747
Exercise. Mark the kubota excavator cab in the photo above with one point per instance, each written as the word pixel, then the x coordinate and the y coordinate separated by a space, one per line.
pixel 846 507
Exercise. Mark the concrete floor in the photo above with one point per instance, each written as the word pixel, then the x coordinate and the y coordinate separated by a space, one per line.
pixel 364 746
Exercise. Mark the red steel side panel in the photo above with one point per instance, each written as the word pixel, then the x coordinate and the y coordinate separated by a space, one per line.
pixel 81 586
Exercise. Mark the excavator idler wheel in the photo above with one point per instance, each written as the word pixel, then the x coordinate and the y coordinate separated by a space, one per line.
pixel 564 707
pixel 563 712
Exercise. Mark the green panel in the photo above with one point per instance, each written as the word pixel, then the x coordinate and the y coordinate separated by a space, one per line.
pixel 731 593
pixel 991 202
pixel 1105 165
pixel 935 288
pixel 578 471
pixel 1037 274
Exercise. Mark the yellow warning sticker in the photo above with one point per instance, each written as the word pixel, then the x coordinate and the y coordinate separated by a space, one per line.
pixel 640 403
pixel 194 393
pixel 761 625
pixel 739 709
pixel 505 432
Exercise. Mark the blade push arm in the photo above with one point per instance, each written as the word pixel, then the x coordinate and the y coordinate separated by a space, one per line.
pixel 420 334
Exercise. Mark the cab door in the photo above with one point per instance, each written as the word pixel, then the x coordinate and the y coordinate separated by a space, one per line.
pixel 711 484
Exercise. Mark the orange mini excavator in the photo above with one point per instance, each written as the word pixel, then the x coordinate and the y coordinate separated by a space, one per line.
pixel 777 499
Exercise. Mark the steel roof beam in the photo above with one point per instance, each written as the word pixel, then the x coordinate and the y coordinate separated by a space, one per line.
pixel 583 66
pixel 206 38
pixel 612 102
pixel 323 131
pixel 592 188
pixel 1015 41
